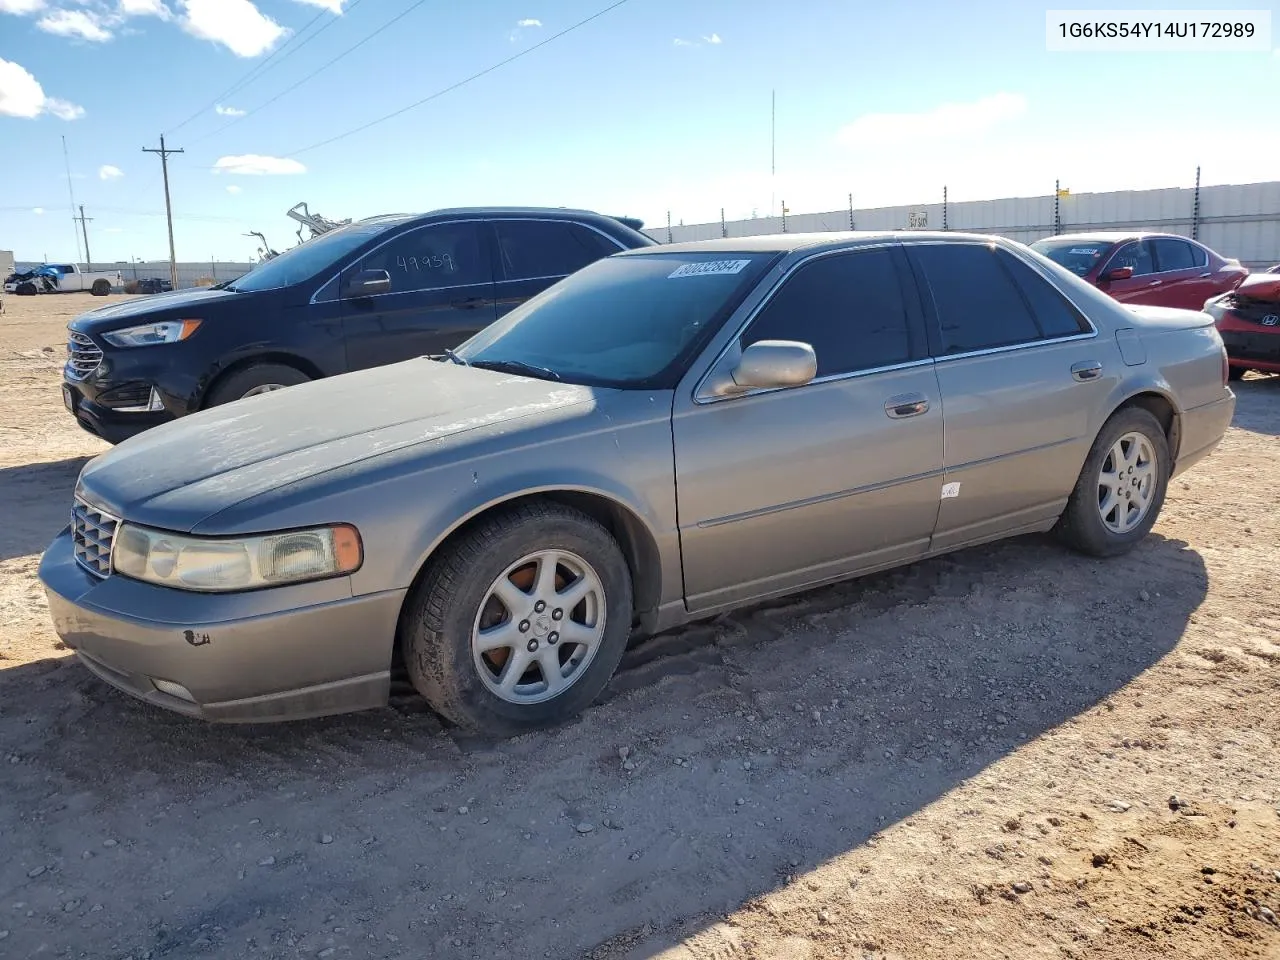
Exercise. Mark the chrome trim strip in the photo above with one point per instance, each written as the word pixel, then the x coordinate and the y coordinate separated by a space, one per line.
pixel 1009 456
pixel 820 498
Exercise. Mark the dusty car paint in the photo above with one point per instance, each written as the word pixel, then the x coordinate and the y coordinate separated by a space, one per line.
pixel 728 500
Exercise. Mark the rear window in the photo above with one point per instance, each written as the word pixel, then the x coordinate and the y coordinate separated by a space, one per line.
pixel 1078 256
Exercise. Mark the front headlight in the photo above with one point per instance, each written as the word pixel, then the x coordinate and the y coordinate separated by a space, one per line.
pixel 150 334
pixel 219 565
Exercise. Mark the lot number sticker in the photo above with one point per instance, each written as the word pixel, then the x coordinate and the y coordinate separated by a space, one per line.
pixel 709 268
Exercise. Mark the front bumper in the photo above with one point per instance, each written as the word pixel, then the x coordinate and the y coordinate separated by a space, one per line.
pixel 113 426
pixel 1250 345
pixel 286 653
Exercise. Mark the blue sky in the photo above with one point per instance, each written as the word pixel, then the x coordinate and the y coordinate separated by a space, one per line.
pixel 657 105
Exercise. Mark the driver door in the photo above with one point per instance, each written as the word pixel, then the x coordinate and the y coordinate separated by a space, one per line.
pixel 442 291
pixel 779 489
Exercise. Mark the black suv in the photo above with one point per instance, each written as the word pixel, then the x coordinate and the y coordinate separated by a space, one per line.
pixel 382 290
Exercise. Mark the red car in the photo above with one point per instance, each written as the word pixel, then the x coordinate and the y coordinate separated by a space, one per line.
pixel 1158 269
pixel 1249 320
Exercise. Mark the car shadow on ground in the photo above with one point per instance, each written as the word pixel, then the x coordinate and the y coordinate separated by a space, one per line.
pixel 724 759
pixel 36 499
pixel 1255 404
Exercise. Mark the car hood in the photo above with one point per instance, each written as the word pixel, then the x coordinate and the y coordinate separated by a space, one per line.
pixel 147 307
pixel 182 472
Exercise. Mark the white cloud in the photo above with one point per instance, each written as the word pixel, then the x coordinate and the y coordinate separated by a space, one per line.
pixel 236 24
pixel 76 23
pixel 944 122
pixel 38 211
pixel 228 111
pixel 109 172
pixel 252 164
pixel 63 109
pixel 234 188
pixel 145 8
pixel 21 7
pixel 683 43
pixel 22 96
pixel 333 6
pixel 529 23
pixel 714 39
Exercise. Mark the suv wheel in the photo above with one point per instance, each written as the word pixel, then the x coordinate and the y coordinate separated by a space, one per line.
pixel 251 381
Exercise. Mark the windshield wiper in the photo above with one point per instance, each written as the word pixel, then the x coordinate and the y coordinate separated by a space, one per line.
pixel 517 366
pixel 449 354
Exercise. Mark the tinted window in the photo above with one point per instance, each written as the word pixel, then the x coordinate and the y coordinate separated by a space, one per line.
pixel 1174 255
pixel 1078 256
pixel 543 248
pixel 977 304
pixel 1054 314
pixel 441 255
pixel 1199 255
pixel 306 260
pixel 848 307
pixel 1137 255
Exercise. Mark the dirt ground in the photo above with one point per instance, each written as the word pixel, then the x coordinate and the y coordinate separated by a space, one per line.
pixel 1012 752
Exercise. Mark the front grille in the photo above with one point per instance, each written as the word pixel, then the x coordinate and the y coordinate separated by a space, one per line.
pixel 83 355
pixel 1252 346
pixel 92 532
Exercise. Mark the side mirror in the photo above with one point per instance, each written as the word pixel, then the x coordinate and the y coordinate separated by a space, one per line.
pixel 768 365
pixel 368 283
pixel 1119 273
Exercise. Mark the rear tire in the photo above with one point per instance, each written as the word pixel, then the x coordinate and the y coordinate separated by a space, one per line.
pixel 26 290
pixel 456 609
pixel 259 378
pixel 100 288
pixel 1236 373
pixel 1114 505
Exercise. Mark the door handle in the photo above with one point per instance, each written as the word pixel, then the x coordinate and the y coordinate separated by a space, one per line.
pixel 1155 283
pixel 1086 370
pixel 1205 274
pixel 906 405
pixel 467 303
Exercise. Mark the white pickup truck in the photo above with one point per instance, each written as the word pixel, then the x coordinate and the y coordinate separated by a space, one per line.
pixel 62 278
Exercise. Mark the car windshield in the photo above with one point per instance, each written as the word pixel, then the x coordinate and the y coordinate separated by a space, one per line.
pixel 627 321
pixel 307 259
pixel 1078 256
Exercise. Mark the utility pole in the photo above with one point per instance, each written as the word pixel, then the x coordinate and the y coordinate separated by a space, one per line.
pixel 88 257
pixel 168 207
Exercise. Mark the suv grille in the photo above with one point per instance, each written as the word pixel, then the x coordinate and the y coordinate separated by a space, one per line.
pixel 83 355
pixel 92 532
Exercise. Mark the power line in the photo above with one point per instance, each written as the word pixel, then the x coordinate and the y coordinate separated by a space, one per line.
pixel 460 83
pixel 320 69
pixel 258 69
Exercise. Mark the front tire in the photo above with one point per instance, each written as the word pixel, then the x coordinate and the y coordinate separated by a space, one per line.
pixel 1121 487
pixel 521 622
pixel 251 381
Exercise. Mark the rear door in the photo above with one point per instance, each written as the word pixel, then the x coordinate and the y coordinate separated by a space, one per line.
pixel 534 254
pixel 1180 280
pixel 1144 285
pixel 442 292
pixel 1019 370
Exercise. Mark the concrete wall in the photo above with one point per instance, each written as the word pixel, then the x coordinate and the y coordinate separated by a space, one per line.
pixel 188 273
pixel 1241 221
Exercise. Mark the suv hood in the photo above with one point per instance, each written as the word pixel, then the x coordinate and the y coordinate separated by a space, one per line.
pixel 147 307
pixel 180 473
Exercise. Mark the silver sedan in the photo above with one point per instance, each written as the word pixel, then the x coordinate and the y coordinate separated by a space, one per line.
pixel 663 436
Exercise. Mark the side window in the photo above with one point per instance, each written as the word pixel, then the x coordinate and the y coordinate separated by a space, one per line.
pixel 531 249
pixel 848 307
pixel 1137 255
pixel 1053 312
pixel 977 304
pixel 439 255
pixel 1199 255
pixel 1173 255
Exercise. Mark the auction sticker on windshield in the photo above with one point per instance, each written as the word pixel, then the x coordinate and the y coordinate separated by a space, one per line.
pixel 709 268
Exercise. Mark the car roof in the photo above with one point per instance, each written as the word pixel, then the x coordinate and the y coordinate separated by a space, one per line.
pixel 1111 236
pixel 788 242
pixel 557 213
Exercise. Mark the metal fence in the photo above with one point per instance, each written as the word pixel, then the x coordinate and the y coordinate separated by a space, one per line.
pixel 189 274
pixel 1241 221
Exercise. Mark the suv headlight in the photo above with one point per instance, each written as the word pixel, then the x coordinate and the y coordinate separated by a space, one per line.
pixel 150 334
pixel 220 565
